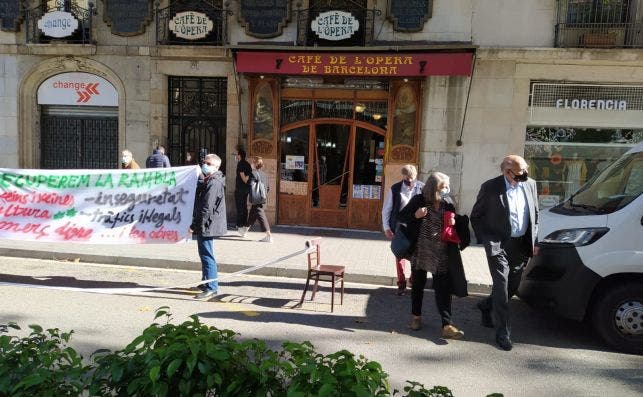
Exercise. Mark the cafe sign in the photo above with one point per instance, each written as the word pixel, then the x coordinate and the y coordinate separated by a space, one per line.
pixel 392 64
pixel 191 25
pixel 335 25
pixel 58 24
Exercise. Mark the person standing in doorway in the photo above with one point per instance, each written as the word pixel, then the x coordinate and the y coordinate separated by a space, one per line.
pixel 209 221
pixel 158 159
pixel 257 212
pixel 397 198
pixel 241 190
pixel 505 220
pixel 128 162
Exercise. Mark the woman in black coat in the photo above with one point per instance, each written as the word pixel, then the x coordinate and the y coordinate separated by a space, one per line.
pixel 424 217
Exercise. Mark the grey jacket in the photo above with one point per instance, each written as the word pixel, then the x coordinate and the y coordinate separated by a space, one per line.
pixel 209 216
pixel 490 215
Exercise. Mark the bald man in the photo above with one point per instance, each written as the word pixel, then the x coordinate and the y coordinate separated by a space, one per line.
pixel 505 220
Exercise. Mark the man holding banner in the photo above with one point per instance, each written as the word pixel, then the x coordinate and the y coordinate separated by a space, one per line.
pixel 209 221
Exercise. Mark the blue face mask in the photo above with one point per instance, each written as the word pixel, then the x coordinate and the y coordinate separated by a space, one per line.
pixel 444 192
pixel 207 169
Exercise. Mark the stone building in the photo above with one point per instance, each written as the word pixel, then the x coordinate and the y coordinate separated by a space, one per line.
pixel 335 95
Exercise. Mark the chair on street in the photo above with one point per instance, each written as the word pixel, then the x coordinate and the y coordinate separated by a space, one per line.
pixel 322 272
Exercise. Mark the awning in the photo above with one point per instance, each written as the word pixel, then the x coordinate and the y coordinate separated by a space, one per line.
pixel 384 64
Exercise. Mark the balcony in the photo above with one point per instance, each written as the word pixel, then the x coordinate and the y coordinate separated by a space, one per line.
pixel 66 23
pixel 599 35
pixel 192 22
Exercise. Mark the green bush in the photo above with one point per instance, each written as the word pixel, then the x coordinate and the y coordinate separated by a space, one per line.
pixel 188 359
pixel 40 364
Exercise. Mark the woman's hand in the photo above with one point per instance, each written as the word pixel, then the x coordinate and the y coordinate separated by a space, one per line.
pixel 421 212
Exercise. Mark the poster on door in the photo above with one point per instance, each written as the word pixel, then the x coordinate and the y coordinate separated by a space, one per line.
pixel 97 206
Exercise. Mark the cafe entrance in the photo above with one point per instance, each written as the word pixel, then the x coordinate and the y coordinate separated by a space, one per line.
pixel 331 158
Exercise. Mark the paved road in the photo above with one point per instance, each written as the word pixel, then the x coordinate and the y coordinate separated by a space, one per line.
pixel 551 356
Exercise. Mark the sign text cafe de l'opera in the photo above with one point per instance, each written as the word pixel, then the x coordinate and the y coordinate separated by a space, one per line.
pixel 355 64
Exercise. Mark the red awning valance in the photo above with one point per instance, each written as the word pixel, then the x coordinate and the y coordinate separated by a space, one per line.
pixel 355 64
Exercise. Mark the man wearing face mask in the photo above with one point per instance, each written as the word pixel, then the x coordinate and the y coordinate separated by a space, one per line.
pixel 127 161
pixel 209 221
pixel 505 220
pixel 399 195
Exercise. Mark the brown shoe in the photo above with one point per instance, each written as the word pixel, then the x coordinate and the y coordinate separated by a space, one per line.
pixel 416 324
pixel 451 332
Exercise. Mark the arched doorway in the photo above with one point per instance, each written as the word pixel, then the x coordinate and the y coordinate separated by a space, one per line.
pixel 331 171
pixel 78 122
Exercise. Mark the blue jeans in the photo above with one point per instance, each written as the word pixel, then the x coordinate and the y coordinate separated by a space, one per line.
pixel 208 263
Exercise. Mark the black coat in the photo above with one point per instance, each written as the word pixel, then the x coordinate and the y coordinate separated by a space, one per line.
pixel 209 216
pixel 454 259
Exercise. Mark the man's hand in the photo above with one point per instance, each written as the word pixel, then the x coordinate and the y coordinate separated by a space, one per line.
pixel 389 234
pixel 421 212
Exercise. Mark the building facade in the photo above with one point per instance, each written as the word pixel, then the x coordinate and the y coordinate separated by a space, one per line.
pixel 336 96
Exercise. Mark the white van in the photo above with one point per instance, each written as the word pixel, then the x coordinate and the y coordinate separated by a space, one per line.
pixel 590 259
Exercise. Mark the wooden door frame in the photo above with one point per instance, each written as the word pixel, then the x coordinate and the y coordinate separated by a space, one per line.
pixel 312 138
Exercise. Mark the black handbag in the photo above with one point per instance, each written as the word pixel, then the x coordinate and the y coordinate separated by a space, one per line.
pixel 401 245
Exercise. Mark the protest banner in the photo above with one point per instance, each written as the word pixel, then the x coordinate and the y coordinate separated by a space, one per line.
pixel 97 206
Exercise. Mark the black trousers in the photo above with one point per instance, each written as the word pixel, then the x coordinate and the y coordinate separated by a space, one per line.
pixel 506 270
pixel 241 202
pixel 443 290
pixel 257 213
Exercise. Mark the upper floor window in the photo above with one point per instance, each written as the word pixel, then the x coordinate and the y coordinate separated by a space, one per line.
pixel 192 22
pixel 67 21
pixel 598 11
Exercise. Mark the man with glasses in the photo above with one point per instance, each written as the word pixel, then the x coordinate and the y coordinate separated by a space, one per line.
pixel 400 194
pixel 505 220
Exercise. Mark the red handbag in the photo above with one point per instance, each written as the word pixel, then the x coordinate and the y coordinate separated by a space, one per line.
pixel 449 234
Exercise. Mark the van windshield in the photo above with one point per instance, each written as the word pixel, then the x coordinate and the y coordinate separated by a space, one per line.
pixel 610 190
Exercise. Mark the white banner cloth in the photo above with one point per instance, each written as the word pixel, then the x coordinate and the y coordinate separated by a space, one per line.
pixel 152 205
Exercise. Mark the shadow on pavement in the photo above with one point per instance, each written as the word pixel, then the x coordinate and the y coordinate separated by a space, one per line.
pixel 63 281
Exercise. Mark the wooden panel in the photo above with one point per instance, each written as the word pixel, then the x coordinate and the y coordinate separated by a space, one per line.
pixel 296 93
pixel 372 94
pixel 329 218
pixel 365 214
pixel 329 196
pixel 292 209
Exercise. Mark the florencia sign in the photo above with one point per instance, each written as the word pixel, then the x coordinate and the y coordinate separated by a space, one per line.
pixel 191 25
pixel 335 25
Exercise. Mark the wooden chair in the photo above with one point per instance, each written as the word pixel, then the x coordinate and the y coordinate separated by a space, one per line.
pixel 322 272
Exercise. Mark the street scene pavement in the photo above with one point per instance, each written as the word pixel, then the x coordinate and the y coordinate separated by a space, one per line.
pixel 366 255
pixel 551 356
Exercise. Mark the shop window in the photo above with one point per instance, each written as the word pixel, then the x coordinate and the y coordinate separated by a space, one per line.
pixel 334 109
pixel 562 159
pixel 375 113
pixel 293 110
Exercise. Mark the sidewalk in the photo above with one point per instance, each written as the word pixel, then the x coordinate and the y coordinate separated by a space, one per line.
pixel 366 255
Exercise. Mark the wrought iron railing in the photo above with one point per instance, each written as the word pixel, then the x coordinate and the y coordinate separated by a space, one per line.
pixel 599 35
pixel 218 36
pixel 365 36
pixel 82 35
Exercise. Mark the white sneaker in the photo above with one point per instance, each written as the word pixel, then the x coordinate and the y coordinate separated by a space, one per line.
pixel 267 239
pixel 242 231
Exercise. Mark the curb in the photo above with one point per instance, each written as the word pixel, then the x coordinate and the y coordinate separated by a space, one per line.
pixel 271 271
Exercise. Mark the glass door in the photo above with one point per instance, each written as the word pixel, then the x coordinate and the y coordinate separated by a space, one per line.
pixel 367 179
pixel 294 177
pixel 331 167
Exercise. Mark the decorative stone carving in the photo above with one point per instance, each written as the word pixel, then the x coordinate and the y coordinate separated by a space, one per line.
pixel 409 15
pixel 127 17
pixel 262 18
pixel 262 147
pixel 402 154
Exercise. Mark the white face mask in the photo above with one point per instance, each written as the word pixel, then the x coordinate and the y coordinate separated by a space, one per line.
pixel 207 169
pixel 126 159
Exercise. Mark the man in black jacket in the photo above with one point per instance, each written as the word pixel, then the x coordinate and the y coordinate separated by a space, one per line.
pixel 505 220
pixel 158 159
pixel 241 190
pixel 400 194
pixel 209 221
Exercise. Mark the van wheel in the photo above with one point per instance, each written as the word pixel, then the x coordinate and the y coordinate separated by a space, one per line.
pixel 617 316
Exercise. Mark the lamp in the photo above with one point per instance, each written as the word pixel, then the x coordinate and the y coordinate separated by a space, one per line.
pixel 360 107
pixel 377 116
